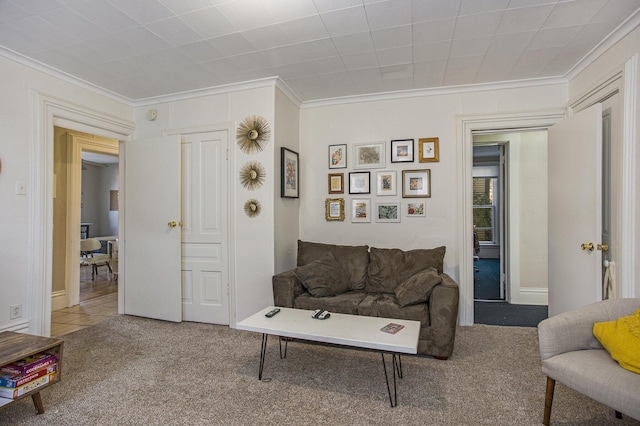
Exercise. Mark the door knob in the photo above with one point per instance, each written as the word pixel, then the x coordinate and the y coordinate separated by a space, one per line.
pixel 172 224
pixel 588 246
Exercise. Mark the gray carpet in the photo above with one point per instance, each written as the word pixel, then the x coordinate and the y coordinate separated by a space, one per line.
pixel 136 371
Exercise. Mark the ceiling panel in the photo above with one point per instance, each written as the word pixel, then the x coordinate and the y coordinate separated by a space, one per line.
pixel 319 48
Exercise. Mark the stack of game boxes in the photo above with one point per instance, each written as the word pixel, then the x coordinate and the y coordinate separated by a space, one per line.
pixel 25 375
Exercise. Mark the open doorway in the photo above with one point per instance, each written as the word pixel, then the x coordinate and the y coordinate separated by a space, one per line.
pixel 510 222
pixel 85 208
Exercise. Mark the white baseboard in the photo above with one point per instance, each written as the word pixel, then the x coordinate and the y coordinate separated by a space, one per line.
pixel 59 300
pixel 20 327
pixel 533 296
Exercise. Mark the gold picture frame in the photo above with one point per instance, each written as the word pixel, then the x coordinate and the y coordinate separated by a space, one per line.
pixel 334 209
pixel 336 183
pixel 428 150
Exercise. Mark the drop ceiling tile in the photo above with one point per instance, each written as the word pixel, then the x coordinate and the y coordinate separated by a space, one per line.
pixel 247 14
pixel 266 37
pixel 103 49
pixel 304 29
pixel 525 19
pixel 354 43
pixel 364 86
pixel 201 51
pixel 251 61
pixel 143 39
pixel 173 31
pixel 554 37
pixel 34 7
pixel 566 14
pixel 330 5
pixel 71 23
pixel 345 21
pixel 432 51
pixel 434 10
pixel 594 33
pixel 397 72
pixel 102 14
pixel 510 44
pixel 431 32
pixel 429 73
pixel 459 76
pixel 360 60
pixel 209 22
pixel 472 7
pixel 537 57
pixel 470 47
pixel 471 26
pixel 386 14
pixel 47 36
pixel 366 74
pixel 392 37
pixel 514 4
pixel 337 80
pixel 467 62
pixel 232 44
pixel 183 6
pixel 143 11
pixel 10 12
pixel 395 56
pixel 617 10
pixel 288 10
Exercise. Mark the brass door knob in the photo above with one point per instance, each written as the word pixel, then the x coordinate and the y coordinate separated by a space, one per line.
pixel 588 246
pixel 172 224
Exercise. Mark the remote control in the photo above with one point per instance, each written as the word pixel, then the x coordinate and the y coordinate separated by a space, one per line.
pixel 272 313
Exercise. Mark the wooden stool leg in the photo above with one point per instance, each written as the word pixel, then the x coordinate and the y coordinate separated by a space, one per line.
pixel 37 401
pixel 548 400
pixel 618 415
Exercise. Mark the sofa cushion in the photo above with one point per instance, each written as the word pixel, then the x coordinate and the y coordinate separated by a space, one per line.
pixel 353 259
pixel 388 268
pixel 418 287
pixel 621 338
pixel 386 306
pixel 345 303
pixel 323 277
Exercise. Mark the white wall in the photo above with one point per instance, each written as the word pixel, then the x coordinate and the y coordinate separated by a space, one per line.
pixel 252 238
pixel 383 120
pixel 18 212
pixel 611 61
pixel 97 182
pixel 286 218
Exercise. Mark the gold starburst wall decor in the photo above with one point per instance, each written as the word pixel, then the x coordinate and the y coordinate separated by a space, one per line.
pixel 252 175
pixel 252 208
pixel 253 134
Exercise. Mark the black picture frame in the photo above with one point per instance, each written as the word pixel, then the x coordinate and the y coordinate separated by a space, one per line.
pixel 289 173
pixel 359 182
pixel 402 151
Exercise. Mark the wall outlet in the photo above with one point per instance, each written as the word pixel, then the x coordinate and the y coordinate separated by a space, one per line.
pixel 15 311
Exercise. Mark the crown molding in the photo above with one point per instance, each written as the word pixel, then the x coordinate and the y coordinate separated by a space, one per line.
pixel 621 31
pixel 436 91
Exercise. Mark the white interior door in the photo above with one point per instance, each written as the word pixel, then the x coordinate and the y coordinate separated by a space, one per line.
pixel 205 246
pixel 575 211
pixel 151 249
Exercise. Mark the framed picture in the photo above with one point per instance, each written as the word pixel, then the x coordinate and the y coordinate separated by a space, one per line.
pixel 416 183
pixel 428 150
pixel 402 151
pixel 414 209
pixel 338 156
pixel 290 169
pixel 369 155
pixel 359 183
pixel 388 212
pixel 386 182
pixel 361 210
pixel 334 209
pixel 336 183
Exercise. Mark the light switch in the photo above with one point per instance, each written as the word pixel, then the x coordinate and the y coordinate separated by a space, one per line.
pixel 21 187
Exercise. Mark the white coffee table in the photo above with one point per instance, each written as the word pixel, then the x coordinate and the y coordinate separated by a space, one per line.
pixel 340 329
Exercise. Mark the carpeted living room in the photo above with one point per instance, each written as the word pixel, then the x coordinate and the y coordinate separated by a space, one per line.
pixel 296 212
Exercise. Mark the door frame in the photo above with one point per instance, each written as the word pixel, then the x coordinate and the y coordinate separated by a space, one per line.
pixel 46 112
pixel 228 127
pixel 466 125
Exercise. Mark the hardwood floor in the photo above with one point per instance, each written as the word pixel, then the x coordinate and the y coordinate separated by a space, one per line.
pixel 98 302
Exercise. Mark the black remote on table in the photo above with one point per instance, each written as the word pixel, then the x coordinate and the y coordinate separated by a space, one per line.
pixel 272 313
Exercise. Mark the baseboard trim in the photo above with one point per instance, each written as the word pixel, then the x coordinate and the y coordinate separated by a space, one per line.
pixel 533 296
pixel 58 300
pixel 20 327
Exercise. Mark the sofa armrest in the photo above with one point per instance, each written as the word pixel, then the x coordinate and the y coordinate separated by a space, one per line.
pixel 286 287
pixel 443 312
pixel 573 330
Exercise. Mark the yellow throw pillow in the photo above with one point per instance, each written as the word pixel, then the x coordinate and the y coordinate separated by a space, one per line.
pixel 621 338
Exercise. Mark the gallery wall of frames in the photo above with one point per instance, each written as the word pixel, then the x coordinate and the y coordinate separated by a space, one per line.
pixel 363 188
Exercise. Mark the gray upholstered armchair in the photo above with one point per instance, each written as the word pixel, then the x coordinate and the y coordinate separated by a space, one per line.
pixel 572 355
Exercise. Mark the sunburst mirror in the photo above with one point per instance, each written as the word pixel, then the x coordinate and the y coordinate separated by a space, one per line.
pixel 252 134
pixel 252 175
pixel 252 208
